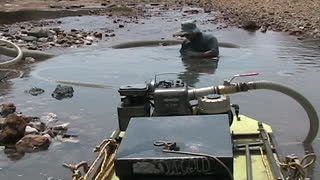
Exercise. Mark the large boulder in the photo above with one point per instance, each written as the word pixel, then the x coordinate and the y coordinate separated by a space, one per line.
pixel 16 122
pixel 13 129
pixel 33 143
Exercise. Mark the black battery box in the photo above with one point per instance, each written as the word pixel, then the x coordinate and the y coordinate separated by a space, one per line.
pixel 138 157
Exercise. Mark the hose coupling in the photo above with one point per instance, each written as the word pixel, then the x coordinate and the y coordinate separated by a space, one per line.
pixel 232 88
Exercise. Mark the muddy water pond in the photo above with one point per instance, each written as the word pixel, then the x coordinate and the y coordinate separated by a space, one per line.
pixel 92 112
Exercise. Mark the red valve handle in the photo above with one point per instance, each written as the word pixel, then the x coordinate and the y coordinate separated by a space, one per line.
pixel 248 74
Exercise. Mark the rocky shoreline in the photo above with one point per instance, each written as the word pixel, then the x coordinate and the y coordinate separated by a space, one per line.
pixel 298 18
pixel 46 34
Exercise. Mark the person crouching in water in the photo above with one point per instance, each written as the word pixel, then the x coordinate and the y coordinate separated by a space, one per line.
pixel 197 44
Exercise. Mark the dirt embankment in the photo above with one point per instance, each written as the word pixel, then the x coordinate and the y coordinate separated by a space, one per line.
pixel 297 17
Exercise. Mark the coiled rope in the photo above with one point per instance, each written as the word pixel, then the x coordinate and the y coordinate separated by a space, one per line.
pixel 297 169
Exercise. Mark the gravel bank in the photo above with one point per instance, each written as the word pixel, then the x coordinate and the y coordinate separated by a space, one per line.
pixel 297 17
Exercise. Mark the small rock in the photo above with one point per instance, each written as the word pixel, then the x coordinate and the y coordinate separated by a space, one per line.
pixel 40 126
pixel 49 133
pixel 90 38
pixel 38 32
pixel 79 35
pixel 154 4
pixel 191 11
pixel 263 29
pixel 43 39
pixel 29 38
pixel 110 35
pixel 57 29
pixel 73 30
pixel 79 42
pixel 61 127
pixel 31 130
pixel 34 91
pixel 88 43
pixel 61 41
pixel 207 10
pixel 54 6
pixel 32 47
pixel 51 44
pixel 121 26
pixel 47 136
pixel 69 139
pixel 62 92
pixel 97 35
pixel 7 109
pixel 250 25
pixel 29 59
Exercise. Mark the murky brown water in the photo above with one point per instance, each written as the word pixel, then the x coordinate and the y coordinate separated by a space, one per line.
pixel 92 112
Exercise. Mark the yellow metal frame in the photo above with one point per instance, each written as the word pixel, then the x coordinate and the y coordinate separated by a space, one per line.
pixel 260 167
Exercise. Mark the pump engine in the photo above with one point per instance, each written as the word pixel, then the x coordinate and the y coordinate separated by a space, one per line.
pixel 165 96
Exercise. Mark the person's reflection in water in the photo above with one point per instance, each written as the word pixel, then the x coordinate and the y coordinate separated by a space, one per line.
pixel 197 67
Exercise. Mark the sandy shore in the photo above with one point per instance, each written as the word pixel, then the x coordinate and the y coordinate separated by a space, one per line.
pixel 297 17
